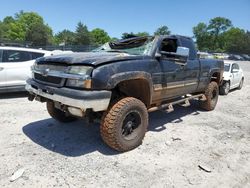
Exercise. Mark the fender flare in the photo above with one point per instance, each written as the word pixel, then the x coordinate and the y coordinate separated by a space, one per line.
pixel 215 70
pixel 132 75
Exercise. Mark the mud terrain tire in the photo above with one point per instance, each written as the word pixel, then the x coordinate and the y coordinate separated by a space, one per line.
pixel 224 89
pixel 212 94
pixel 124 125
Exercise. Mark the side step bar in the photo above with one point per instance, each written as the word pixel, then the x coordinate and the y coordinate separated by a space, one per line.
pixel 169 106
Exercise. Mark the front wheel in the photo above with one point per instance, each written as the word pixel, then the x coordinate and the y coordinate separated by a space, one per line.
pixel 124 125
pixel 241 83
pixel 224 89
pixel 58 114
pixel 212 94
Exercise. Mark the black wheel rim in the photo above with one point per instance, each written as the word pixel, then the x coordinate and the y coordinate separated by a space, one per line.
pixel 130 126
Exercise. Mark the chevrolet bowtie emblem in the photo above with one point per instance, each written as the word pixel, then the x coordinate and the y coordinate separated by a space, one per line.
pixel 45 72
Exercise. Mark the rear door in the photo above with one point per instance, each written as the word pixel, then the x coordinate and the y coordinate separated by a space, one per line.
pixel 17 65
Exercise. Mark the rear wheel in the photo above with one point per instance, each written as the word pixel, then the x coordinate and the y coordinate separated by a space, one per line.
pixel 58 114
pixel 212 94
pixel 241 83
pixel 124 125
pixel 224 89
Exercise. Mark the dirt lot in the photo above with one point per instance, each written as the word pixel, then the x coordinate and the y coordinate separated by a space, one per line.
pixel 73 155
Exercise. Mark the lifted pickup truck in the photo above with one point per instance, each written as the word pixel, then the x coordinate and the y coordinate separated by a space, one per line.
pixel 120 82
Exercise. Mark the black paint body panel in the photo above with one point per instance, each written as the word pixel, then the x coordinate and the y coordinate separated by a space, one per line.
pixel 167 79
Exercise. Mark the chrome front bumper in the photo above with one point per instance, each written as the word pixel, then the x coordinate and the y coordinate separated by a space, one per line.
pixel 95 100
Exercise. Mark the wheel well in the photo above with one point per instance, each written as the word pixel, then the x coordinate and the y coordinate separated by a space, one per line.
pixel 216 77
pixel 224 81
pixel 138 88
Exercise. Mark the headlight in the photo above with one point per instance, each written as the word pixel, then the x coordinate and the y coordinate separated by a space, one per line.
pixel 84 81
pixel 82 70
pixel 80 83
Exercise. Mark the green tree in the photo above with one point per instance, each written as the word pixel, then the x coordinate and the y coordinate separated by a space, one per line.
pixel 39 34
pixel 217 26
pixel 142 34
pixel 12 30
pixel 203 37
pixel 99 36
pixel 1 30
pixel 21 28
pixel 128 35
pixel 131 35
pixel 22 23
pixel 82 35
pixel 163 30
pixel 65 36
pixel 211 37
pixel 236 41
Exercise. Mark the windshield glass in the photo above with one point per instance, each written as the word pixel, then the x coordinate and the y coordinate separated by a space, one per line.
pixel 226 67
pixel 133 46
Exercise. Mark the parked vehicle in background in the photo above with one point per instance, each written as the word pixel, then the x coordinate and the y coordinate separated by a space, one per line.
pixel 15 66
pixel 235 57
pixel 220 55
pixel 205 55
pixel 233 77
pixel 123 81
pixel 246 57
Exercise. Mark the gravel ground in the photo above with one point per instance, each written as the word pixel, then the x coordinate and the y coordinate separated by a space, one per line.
pixel 50 154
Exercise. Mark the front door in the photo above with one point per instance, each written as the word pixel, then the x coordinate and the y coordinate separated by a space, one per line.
pixel 173 74
pixel 236 75
pixel 16 67
pixel 173 78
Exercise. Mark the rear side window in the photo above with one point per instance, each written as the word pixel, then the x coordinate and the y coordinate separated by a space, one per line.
pixel 36 55
pixel 16 56
pixel 1 55
pixel 188 43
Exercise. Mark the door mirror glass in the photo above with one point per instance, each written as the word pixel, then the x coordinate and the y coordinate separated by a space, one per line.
pixel 182 51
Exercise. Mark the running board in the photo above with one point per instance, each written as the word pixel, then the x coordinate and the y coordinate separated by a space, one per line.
pixel 169 106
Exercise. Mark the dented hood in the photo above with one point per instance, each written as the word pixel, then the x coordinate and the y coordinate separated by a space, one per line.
pixel 88 58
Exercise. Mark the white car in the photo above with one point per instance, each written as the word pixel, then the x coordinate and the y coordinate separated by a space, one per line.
pixel 233 77
pixel 15 66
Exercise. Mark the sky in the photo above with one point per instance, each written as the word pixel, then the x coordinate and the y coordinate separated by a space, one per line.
pixel 119 16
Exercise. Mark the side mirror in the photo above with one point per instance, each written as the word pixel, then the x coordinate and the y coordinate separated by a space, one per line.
pixel 180 56
pixel 183 51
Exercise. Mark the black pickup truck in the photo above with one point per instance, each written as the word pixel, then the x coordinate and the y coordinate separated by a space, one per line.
pixel 120 82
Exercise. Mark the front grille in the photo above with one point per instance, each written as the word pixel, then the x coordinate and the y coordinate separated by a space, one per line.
pixel 48 79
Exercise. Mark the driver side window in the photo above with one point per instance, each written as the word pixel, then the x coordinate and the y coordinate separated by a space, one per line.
pixel 168 46
pixel 235 67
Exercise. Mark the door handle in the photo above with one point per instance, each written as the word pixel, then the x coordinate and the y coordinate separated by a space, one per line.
pixel 1 68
